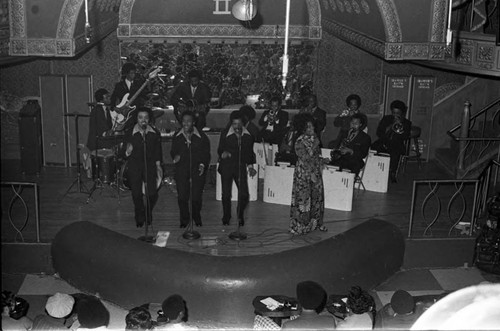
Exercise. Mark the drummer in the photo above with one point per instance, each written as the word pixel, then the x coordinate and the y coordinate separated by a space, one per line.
pixel 100 122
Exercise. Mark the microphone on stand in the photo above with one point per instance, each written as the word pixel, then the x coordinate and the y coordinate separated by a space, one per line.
pixel 190 234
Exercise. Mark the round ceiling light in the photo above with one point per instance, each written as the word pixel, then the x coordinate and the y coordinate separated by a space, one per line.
pixel 244 10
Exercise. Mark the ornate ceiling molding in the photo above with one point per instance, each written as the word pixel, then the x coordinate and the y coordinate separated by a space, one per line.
pixel 390 18
pixel 369 44
pixel 439 20
pixel 125 14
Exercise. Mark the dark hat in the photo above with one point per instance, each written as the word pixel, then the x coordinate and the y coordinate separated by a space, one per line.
pixel 92 313
pixel 402 302
pixel 173 306
pixel 310 294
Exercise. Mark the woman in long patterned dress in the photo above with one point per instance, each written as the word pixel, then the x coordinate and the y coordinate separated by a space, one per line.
pixel 306 212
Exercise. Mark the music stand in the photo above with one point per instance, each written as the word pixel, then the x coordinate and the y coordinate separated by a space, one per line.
pixel 78 180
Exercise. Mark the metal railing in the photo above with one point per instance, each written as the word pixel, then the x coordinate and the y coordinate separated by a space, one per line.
pixel 483 188
pixel 458 195
pixel 17 189
pixel 487 181
pixel 474 144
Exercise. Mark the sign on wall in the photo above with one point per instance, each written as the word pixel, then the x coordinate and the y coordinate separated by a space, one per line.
pixel 422 101
pixel 396 88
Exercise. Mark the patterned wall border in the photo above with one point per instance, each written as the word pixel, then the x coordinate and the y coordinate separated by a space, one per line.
pixel 59 47
pixel 479 54
pixel 415 51
pixel 390 18
pixel 126 30
pixel 212 31
pixel 366 43
pixel 439 20
pixel 17 18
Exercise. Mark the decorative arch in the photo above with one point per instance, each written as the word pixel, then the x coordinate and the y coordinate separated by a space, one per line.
pixel 67 19
pixel 390 18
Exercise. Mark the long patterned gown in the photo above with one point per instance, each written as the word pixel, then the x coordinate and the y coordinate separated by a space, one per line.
pixel 308 203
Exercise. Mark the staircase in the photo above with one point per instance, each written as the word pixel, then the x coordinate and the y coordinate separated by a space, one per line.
pixel 465 152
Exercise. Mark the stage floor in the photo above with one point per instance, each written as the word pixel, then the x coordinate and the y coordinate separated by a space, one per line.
pixel 266 224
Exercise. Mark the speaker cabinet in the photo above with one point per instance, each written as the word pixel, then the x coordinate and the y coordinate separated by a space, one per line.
pixel 30 137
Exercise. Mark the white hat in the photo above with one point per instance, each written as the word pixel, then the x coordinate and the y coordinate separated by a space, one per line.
pixel 60 305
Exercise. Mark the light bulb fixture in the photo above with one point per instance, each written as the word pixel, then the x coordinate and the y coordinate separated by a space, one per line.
pixel 244 10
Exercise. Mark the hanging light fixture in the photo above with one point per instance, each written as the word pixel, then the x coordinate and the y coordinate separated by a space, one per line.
pixel 244 10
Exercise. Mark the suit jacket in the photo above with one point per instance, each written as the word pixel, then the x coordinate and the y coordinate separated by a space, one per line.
pixel 279 129
pixel 228 142
pixel 121 89
pixel 386 134
pixel 360 144
pixel 202 95
pixel 200 151
pixel 310 321
pixel 99 122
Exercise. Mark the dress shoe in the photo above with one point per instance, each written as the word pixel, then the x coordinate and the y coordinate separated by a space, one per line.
pixel 139 225
pixel 393 177
pixel 183 226
pixel 199 225
pixel 225 222
pixel 242 222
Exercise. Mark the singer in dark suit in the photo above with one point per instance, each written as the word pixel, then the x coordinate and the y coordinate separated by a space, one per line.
pixel 192 95
pixel 274 123
pixel 100 121
pixel 144 168
pixel 235 157
pixel 353 147
pixel 191 154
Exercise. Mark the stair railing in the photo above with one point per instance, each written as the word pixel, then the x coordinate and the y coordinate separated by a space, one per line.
pixel 474 146
pixel 488 182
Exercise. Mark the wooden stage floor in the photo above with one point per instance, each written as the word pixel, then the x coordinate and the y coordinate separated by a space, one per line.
pixel 266 224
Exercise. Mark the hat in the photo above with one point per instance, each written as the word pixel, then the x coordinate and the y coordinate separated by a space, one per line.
pixel 310 294
pixel 92 313
pixel 173 306
pixel 402 302
pixel 60 305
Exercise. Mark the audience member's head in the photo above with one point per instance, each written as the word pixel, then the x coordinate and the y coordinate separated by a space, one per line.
pixel 311 296
pixel 359 301
pixel 471 308
pixel 300 122
pixel 60 305
pixel 402 302
pixel 138 318
pixel 174 308
pixel 13 306
pixel 92 313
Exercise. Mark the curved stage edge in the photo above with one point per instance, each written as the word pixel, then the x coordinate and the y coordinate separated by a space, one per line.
pixel 129 272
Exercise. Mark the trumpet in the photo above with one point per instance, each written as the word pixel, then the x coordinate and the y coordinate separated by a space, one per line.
pixel 397 127
pixel 271 117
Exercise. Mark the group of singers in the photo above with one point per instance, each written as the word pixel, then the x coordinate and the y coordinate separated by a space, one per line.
pixel 299 143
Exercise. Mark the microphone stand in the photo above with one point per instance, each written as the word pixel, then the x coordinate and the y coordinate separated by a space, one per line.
pixel 238 235
pixel 190 234
pixel 146 238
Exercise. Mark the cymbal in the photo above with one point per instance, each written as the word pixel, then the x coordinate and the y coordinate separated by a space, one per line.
pixel 77 114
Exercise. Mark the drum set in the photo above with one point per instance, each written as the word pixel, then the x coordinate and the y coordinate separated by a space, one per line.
pixel 109 166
